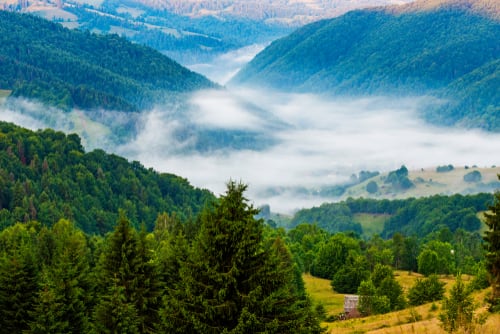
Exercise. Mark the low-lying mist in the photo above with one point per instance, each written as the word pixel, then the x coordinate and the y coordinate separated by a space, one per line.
pixel 283 145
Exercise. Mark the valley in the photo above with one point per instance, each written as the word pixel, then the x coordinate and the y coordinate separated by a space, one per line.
pixel 240 166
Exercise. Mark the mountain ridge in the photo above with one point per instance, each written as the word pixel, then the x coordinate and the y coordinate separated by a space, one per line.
pixel 70 68
pixel 376 52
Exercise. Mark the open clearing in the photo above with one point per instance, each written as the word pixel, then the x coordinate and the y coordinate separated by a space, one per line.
pixel 421 319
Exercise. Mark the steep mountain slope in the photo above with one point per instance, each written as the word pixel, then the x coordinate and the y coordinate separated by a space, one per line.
pixel 46 175
pixel 69 68
pixel 448 51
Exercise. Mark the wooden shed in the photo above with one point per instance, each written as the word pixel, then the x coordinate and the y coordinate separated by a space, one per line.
pixel 351 306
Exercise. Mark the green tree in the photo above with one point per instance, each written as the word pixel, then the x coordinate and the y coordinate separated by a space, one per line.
pixel 234 283
pixel 350 275
pixel 458 308
pixel 67 292
pixel 128 281
pixel 426 290
pixel 19 276
pixel 492 238
pixel 18 288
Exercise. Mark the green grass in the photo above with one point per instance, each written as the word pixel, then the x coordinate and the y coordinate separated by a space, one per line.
pixel 371 223
pixel 321 291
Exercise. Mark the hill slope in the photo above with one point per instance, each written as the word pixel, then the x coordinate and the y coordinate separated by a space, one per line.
pixel 46 175
pixel 68 68
pixel 450 52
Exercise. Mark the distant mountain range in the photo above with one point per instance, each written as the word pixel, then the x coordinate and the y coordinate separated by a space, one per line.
pixel 190 31
pixel 447 49
pixel 71 68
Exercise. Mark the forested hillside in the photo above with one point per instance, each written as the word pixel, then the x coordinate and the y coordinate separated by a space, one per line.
pixel 70 68
pixel 47 175
pixel 410 216
pixel 449 52
pixel 224 276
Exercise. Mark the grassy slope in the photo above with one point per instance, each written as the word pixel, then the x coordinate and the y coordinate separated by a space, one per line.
pixel 4 93
pixel 433 183
pixel 394 322
pixel 371 223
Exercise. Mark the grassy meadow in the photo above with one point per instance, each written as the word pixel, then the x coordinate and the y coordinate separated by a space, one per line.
pixel 420 319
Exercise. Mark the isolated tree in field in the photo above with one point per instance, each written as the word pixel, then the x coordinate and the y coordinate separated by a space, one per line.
pixel 458 308
pixel 426 290
pixel 233 282
pixel 492 238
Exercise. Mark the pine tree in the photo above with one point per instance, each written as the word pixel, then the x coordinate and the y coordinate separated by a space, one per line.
pixel 492 238
pixel 19 274
pixel 18 288
pixel 67 291
pixel 128 286
pixel 232 283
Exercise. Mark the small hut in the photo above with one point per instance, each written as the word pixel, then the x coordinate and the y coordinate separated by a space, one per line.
pixel 351 306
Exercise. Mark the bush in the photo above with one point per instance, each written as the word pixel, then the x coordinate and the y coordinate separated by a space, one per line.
pixel 372 187
pixel 426 290
pixel 474 176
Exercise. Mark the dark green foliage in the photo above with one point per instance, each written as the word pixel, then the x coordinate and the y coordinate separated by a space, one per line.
pixel 128 281
pixel 67 289
pixel 426 290
pixel 372 187
pixel 399 179
pixel 70 68
pixel 449 52
pixel 18 288
pixel 348 278
pixel 46 175
pixel 334 217
pixel 444 169
pixel 474 176
pixel 437 257
pixel 332 255
pixel 381 293
pixel 425 215
pixel 231 283
pixel 492 239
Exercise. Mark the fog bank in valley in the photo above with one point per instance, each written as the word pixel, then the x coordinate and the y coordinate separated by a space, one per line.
pixel 317 142
pixel 291 142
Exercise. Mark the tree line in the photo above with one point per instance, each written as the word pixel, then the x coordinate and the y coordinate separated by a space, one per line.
pixel 225 275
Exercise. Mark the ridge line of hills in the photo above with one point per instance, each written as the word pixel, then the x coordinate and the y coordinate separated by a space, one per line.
pixel 67 68
pixel 448 51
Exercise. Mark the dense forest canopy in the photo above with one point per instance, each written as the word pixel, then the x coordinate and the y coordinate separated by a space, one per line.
pixel 46 175
pixel 71 68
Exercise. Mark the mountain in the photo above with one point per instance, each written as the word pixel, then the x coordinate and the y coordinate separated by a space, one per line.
pixel 67 68
pixel 46 175
pixel 190 31
pixel 450 50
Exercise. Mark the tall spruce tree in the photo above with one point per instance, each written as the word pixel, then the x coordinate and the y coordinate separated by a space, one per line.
pixel 128 286
pixel 18 288
pixel 18 278
pixel 492 238
pixel 232 283
pixel 66 294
